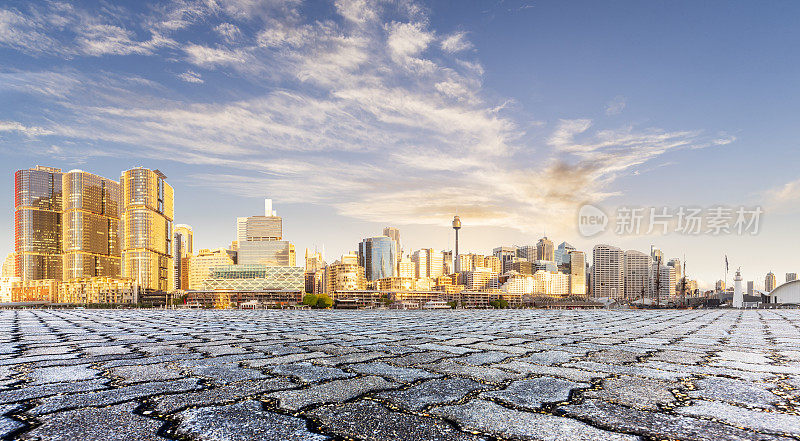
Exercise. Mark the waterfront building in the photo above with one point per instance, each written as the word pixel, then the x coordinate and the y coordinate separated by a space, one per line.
pixel 37 223
pixel 428 263
pixel 607 272
pixel 94 290
pixel 465 262
pixel 200 266
pixel 527 252
pixel 378 256
pixel 562 253
pixel 184 248
pixel 146 232
pixel 9 266
pixel 407 268
pixel 494 264
pixel 447 262
pixel 268 227
pixel 544 250
pixel 505 254
pixel 663 282
pixel 637 267
pixel 480 279
pixel 345 275
pixel 90 226
pixel 769 282
pixel 7 283
pixel 577 272
pixel 267 252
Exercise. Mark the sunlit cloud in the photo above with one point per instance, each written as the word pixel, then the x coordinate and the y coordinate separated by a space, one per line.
pixel 361 112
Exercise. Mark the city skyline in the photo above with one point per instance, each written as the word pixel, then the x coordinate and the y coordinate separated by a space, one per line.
pixel 235 105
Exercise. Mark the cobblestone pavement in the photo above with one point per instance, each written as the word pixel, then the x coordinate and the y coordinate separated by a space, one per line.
pixel 394 375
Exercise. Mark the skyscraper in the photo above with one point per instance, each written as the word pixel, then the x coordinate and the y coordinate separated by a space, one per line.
pixel 456 227
pixel 791 277
pixel 260 240
pixel 577 273
pixel 607 272
pixel 769 282
pixel 429 263
pixel 637 268
pixel 146 231
pixel 506 256
pixel 544 249
pixel 90 226
pixel 184 248
pixel 378 256
pixel 562 253
pixel 37 223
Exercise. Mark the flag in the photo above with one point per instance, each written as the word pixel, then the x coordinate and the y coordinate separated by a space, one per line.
pixel 727 267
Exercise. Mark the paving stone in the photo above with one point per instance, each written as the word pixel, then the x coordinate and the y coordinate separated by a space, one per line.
pixel 310 373
pixel 113 396
pixel 548 358
pixel 8 425
pixel 419 358
pixel 106 423
pixel 636 392
pixel 438 391
pixel 491 418
pixel 555 371
pixel 768 422
pixel 147 372
pixel 57 374
pixel 483 373
pixel 614 356
pixel 370 421
pixel 658 425
pixel 28 392
pixel 168 404
pixel 332 392
pixel 736 392
pixel 398 374
pixel 481 358
pixel 534 392
pixel 242 421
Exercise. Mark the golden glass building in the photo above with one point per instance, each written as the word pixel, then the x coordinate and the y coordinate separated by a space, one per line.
pixel 183 247
pixel 37 223
pixel 90 226
pixel 146 232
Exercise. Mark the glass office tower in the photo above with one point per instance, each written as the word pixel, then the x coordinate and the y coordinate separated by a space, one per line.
pixel 37 223
pixel 146 231
pixel 90 226
pixel 378 256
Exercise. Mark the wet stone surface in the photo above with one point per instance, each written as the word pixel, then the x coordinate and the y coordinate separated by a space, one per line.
pixel 400 375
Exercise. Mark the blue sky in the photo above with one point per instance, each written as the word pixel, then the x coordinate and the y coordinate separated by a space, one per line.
pixel 353 115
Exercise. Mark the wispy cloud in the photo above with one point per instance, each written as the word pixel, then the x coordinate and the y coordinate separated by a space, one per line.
pixel 360 111
pixel 191 76
pixel 616 106
pixel 456 43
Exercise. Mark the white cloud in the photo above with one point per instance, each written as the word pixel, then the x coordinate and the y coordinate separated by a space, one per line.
pixel 14 126
pixel 616 106
pixel 191 76
pixel 229 32
pixel 456 43
pixel 349 113
pixel 205 56
pixel 407 40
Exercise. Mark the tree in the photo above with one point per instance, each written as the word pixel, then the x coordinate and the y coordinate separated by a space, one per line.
pixel 310 299
pixel 324 302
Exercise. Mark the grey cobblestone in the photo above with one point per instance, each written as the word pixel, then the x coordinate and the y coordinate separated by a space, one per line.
pixel 312 375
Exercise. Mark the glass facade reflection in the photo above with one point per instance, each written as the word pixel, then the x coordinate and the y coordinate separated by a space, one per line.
pixel 90 226
pixel 378 256
pixel 37 223
pixel 146 229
